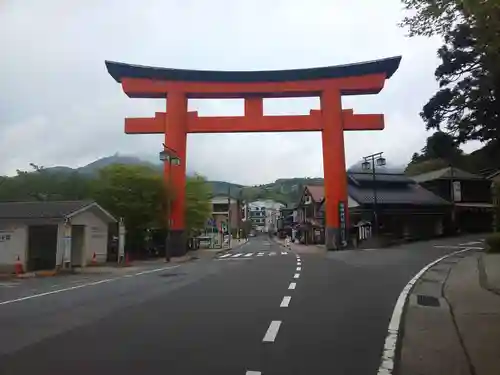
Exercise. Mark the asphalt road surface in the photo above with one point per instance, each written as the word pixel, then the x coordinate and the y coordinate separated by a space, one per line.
pixel 258 309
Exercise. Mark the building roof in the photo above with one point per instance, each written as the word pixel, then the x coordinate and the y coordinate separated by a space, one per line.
pixel 317 192
pixel 410 194
pixel 52 211
pixel 446 174
pixel 359 178
pixel 387 66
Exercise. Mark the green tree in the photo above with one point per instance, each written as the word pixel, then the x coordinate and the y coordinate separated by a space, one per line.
pixel 468 102
pixel 198 204
pixel 135 193
pixel 440 151
pixel 441 146
pixel 42 185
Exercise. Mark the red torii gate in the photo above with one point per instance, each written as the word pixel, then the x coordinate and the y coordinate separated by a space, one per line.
pixel 329 83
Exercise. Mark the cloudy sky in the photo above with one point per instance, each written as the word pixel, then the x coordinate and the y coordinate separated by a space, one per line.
pixel 58 105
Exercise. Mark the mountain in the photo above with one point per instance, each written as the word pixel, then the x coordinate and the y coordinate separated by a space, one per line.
pixel 285 190
pixel 94 167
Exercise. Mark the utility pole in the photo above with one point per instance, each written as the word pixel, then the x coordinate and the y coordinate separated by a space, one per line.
pixel 169 155
pixel 452 193
pixel 229 213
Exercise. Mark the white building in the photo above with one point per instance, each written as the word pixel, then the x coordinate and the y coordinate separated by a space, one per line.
pixel 264 214
pixel 45 235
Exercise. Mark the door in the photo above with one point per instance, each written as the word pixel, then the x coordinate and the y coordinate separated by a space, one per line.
pixel 77 245
pixel 42 247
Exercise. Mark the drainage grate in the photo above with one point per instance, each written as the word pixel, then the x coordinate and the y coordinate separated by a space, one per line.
pixel 430 301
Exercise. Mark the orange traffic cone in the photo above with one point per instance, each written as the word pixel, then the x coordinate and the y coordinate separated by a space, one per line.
pixel 18 266
pixel 94 259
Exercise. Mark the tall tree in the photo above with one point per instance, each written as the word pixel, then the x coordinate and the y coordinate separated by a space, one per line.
pixel 198 204
pixel 468 102
pixel 441 145
pixel 135 193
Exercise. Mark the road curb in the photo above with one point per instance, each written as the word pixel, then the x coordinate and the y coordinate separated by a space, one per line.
pixel 393 339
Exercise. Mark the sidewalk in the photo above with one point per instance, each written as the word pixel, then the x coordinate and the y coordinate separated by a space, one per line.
pixel 104 268
pixel 452 320
pixel 302 249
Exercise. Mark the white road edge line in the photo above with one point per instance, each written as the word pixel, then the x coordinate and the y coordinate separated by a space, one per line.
pixel 292 285
pixel 387 359
pixel 272 331
pixel 76 287
pixel 155 270
pixel 286 301
pixel 296 276
pixel 459 247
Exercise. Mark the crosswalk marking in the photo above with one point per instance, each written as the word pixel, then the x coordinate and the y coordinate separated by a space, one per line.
pixel 229 256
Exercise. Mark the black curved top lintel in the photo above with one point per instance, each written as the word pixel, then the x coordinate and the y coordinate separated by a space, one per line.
pixel 119 70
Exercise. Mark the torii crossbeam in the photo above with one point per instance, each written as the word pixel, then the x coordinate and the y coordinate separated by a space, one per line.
pixel 329 83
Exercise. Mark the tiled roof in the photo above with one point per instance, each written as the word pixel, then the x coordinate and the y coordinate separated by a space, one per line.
pixel 380 177
pixel 446 174
pixel 317 192
pixel 412 194
pixel 40 210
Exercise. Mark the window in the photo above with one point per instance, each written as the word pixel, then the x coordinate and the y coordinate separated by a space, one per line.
pixel 220 207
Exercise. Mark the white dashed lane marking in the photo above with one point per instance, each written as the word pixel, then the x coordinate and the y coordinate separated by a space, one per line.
pixel 292 285
pixel 296 276
pixel 286 301
pixel 299 268
pixel 272 331
pixel 236 255
pixel 225 255
pixel 249 254
pixel 260 254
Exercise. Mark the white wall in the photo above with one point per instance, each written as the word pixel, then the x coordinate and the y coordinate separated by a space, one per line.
pixel 16 245
pixel 96 236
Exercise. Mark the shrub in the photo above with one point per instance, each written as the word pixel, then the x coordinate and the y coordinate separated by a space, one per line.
pixel 493 242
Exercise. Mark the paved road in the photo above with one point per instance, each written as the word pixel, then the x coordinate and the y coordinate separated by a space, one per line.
pixel 258 308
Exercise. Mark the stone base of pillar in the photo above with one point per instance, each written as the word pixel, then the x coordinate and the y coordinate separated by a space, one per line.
pixel 332 239
pixel 177 244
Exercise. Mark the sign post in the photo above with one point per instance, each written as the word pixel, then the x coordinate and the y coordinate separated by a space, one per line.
pixel 67 245
pixel 342 222
pixel 121 241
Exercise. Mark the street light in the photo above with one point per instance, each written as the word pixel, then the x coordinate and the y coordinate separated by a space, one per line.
pixel 369 163
pixel 169 155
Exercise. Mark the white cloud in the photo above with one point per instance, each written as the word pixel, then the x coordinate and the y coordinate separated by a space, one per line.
pixel 58 105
